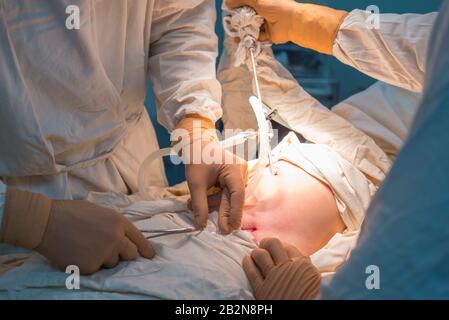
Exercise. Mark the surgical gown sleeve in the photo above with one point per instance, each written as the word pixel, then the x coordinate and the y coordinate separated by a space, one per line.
pixel 2 200
pixel 394 53
pixel 183 52
pixel 406 231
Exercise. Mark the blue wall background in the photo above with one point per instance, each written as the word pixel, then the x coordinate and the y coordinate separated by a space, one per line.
pixel 351 81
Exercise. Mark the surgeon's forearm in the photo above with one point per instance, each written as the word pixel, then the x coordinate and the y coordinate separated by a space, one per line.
pixel 393 51
pixel 182 62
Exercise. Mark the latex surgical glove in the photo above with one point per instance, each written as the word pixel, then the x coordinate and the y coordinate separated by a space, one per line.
pixel 209 165
pixel 70 232
pixel 231 175
pixel 308 25
pixel 280 272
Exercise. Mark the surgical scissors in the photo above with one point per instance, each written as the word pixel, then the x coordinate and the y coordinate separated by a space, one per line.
pixel 166 232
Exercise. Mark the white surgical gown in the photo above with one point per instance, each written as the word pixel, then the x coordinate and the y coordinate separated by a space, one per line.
pixel 406 230
pixel 72 115
pixel 394 53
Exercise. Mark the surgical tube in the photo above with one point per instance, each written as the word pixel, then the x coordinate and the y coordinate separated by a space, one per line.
pixel 264 141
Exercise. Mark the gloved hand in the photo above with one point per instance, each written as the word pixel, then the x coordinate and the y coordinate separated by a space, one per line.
pixel 281 272
pixel 71 232
pixel 308 25
pixel 230 177
pixel 209 165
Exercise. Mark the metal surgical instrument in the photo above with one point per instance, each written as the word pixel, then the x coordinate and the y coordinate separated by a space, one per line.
pixel 268 113
pixel 167 232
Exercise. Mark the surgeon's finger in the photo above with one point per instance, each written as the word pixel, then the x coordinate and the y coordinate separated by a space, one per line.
pixel 292 251
pixel 129 250
pixel 198 195
pixel 263 260
pixel 224 213
pixel 232 4
pixel 232 179
pixel 275 248
pixel 142 244
pixel 111 261
pixel 252 272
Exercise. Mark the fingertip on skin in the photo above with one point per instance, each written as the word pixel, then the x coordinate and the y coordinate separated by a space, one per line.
pixel 200 214
pixel 227 224
pixel 224 228
pixel 264 243
pixel 200 222
pixel 292 251
pixel 277 251
pixel 258 252
pixel 233 226
pixel 236 225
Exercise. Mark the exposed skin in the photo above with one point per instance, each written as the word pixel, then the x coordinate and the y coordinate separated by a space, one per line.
pixel 294 207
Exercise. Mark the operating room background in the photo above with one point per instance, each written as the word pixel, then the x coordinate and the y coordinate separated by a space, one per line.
pixel 324 77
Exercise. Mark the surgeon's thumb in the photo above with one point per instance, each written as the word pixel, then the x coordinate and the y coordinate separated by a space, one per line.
pixel 227 223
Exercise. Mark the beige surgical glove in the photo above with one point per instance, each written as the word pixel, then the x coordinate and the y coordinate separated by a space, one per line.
pixel 71 232
pixel 308 25
pixel 209 165
pixel 281 272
